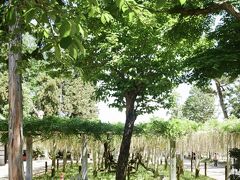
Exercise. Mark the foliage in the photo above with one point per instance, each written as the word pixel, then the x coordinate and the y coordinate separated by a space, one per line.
pixel 50 94
pixel 213 125
pixel 232 96
pixel 232 125
pixel 199 106
pixel 78 98
pixel 51 126
pixel 222 57
pixel 123 65
pixel 27 101
pixel 3 94
pixel 47 94
pixel 172 129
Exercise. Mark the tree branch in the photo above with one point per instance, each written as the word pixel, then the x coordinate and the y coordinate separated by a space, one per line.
pixel 214 8
pixel 231 10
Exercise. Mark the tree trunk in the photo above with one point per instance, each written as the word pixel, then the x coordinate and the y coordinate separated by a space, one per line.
pixel 54 157
pixel 15 133
pixel 165 162
pixel 64 158
pixel 84 159
pixel 197 166
pixel 94 158
pixel 173 169
pixel 126 139
pixel 29 158
pixel 221 100
pixel 99 156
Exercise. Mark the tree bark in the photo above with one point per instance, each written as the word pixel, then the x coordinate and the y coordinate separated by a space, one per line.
pixel 212 8
pixel 126 139
pixel 54 157
pixel 64 158
pixel 29 158
pixel 15 132
pixel 221 99
pixel 84 159
pixel 173 169
pixel 94 157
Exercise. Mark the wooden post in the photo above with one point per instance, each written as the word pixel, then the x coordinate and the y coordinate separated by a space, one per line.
pixel 178 173
pixel 205 168
pixel 79 169
pixel 84 159
pixel 46 167
pixel 29 168
pixel 173 168
pixel 53 171
pixel 57 164
pixel 191 164
pixel 226 173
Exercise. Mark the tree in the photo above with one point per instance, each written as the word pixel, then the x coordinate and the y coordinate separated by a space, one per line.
pixel 199 106
pixel 78 98
pixel 31 16
pixel 139 76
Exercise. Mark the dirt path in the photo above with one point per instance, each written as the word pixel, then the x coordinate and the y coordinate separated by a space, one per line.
pixel 217 173
pixel 38 166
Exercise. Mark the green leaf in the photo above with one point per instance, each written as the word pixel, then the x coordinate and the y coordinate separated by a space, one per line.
pixel 65 42
pixel 73 51
pixel 44 18
pixel 29 15
pixel 120 4
pixel 11 16
pixel 124 8
pixel 83 50
pixel 82 32
pixel 74 28
pixel 47 47
pixel 57 51
pixel 182 1
pixel 46 33
pixel 103 19
pixel 65 28
pixel 131 16
pixel 106 17
pixel 77 42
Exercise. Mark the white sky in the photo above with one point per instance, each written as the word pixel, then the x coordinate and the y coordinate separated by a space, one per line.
pixel 112 115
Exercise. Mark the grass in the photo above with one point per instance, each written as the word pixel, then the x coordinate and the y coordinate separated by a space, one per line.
pixel 142 174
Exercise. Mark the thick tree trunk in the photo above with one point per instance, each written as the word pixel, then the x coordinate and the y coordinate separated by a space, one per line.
pixel 221 99
pixel 29 158
pixel 126 140
pixel 84 159
pixel 15 133
pixel 173 169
